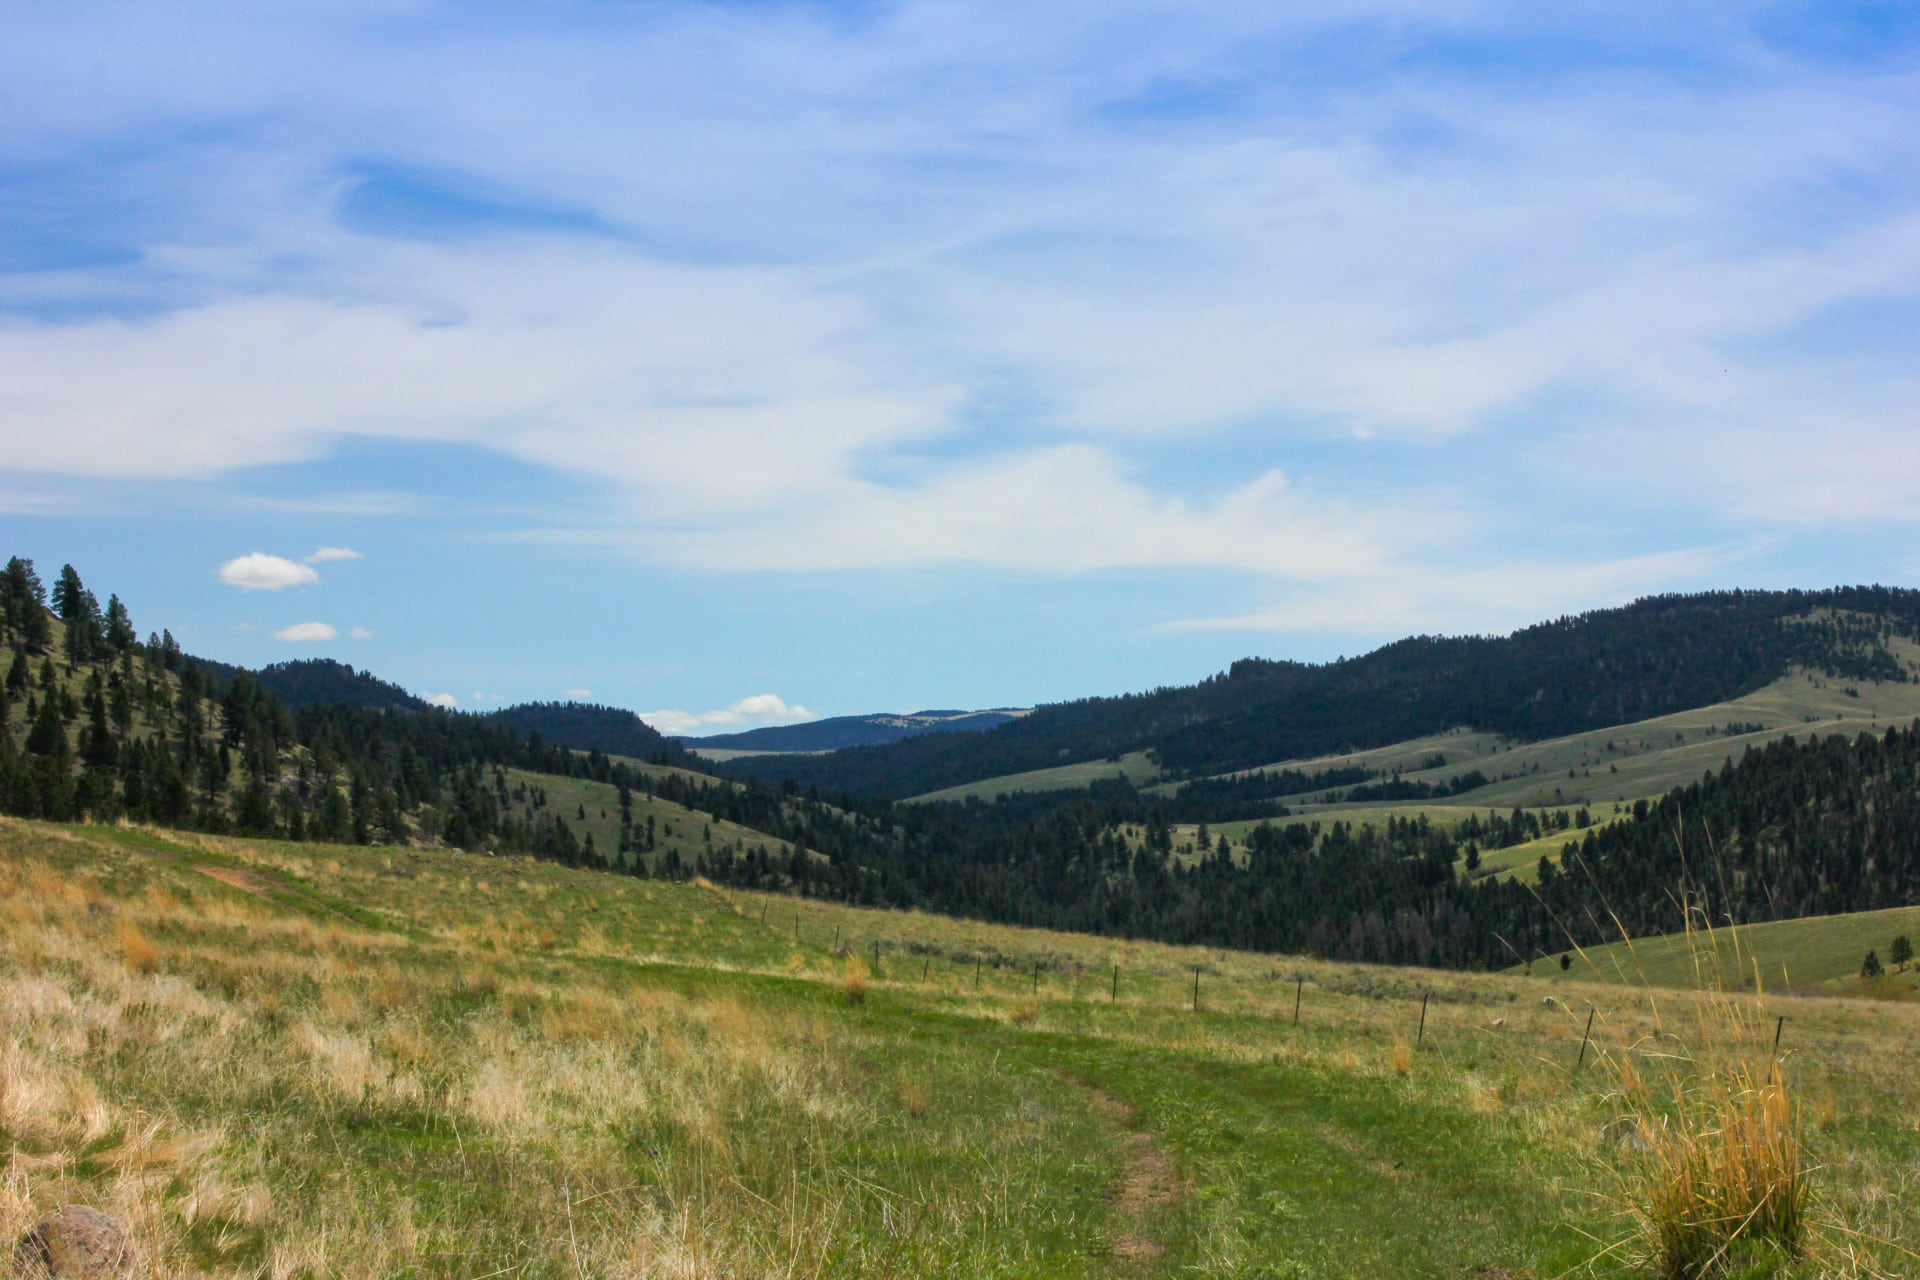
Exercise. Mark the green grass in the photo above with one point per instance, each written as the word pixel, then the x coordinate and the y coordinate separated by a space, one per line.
pixel 688 832
pixel 720 755
pixel 1612 767
pixel 1818 952
pixel 368 1062
pixel 1137 767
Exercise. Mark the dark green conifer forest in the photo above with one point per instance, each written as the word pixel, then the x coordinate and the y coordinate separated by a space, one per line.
pixel 98 725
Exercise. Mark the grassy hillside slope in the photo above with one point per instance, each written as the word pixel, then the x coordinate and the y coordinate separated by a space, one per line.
pixel 1137 768
pixel 1818 952
pixel 310 1060
pixel 1621 764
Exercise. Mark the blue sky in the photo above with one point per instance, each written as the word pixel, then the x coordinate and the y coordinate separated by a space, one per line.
pixel 741 362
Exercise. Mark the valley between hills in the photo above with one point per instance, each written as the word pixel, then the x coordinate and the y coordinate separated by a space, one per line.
pixel 1580 951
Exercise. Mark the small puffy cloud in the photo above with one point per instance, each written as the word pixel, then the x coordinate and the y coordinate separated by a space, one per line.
pixel 748 713
pixel 322 555
pixel 363 633
pixel 261 572
pixel 578 695
pixel 306 632
pixel 445 700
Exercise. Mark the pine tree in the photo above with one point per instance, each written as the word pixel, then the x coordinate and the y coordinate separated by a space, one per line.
pixel 1871 967
pixel 48 737
pixel 121 636
pixel 1901 953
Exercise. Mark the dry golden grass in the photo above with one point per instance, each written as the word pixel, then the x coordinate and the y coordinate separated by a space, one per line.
pixel 853 981
pixel 138 953
pixel 641 1098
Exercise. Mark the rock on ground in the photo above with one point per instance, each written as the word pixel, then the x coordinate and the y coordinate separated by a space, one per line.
pixel 77 1243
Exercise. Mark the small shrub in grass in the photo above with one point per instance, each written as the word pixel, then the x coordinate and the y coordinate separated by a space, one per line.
pixel 1402 1058
pixel 139 954
pixel 1023 1013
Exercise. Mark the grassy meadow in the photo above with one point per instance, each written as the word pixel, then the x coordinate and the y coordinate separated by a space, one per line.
pixel 1137 767
pixel 287 1060
pixel 1598 769
pixel 1815 953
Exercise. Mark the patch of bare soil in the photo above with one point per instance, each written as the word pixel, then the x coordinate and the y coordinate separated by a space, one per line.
pixel 243 880
pixel 1149 1180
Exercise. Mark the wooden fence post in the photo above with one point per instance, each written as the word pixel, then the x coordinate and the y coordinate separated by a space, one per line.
pixel 1584 1037
pixel 1423 1018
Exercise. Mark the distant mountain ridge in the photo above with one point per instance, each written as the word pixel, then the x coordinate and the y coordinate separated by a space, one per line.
pixel 1653 657
pixel 838 732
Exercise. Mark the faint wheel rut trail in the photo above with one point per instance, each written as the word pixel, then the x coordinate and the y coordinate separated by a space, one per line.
pixel 241 880
pixel 1149 1180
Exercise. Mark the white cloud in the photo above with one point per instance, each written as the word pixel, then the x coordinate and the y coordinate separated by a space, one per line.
pixel 322 555
pixel 261 572
pixel 362 633
pixel 909 224
pixel 1439 600
pixel 748 713
pixel 306 633
pixel 446 700
pixel 576 695
pixel 1069 508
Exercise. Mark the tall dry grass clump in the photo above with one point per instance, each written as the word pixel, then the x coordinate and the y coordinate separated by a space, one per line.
pixel 1715 1165
pixel 1712 1163
pixel 853 983
pixel 140 954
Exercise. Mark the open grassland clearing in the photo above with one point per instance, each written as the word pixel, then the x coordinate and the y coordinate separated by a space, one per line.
pixel 1651 757
pixel 1643 759
pixel 720 755
pixel 593 808
pixel 360 1062
pixel 1456 749
pixel 1816 952
pixel 1612 767
pixel 1628 762
pixel 1137 767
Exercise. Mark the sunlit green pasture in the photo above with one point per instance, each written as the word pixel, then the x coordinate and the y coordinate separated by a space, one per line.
pixel 291 1060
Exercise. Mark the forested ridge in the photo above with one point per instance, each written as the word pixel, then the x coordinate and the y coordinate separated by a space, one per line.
pixel 1795 828
pixel 97 724
pixel 1615 666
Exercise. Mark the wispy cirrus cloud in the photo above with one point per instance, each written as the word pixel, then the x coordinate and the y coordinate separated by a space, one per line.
pixel 325 555
pixel 989 285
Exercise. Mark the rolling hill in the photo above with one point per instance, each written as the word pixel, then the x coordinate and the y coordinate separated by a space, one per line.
pixel 837 732
pixel 1467 844
pixel 1653 658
